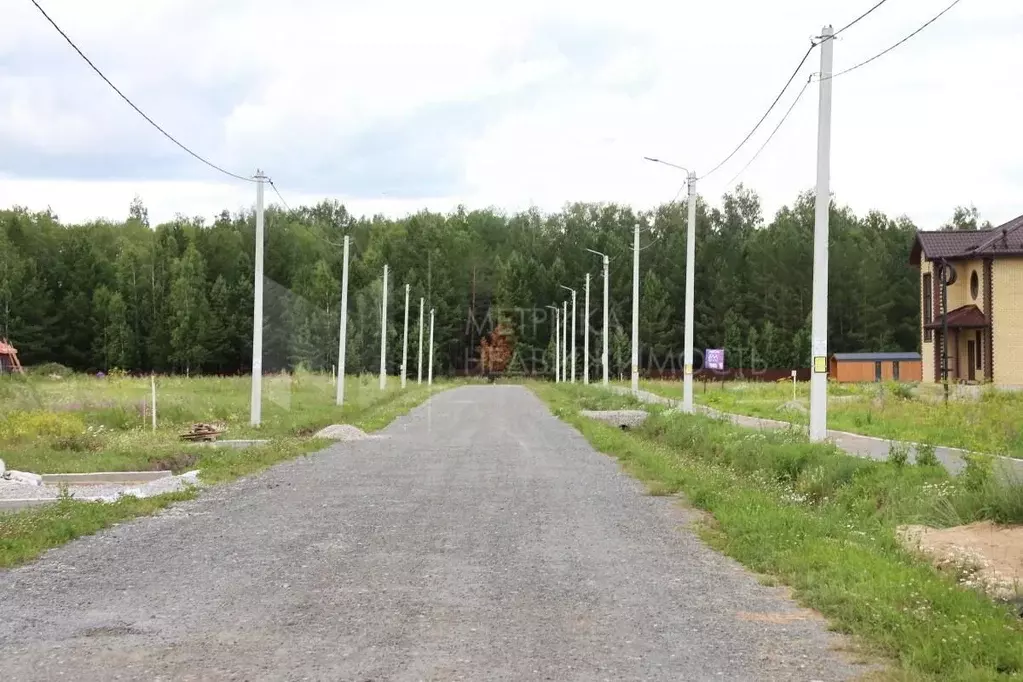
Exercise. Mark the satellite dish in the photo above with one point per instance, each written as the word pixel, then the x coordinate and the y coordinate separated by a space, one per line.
pixel 948 274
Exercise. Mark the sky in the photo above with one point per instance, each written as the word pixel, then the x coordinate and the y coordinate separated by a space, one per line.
pixel 395 106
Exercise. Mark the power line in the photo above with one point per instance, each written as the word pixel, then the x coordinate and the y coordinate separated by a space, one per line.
pixel 787 84
pixel 883 53
pixel 278 193
pixel 857 19
pixel 132 104
pixel 771 136
pixel 766 113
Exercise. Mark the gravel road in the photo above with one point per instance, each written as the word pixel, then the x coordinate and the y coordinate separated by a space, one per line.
pixel 483 539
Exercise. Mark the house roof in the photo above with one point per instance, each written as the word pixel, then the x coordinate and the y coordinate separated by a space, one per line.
pixel 875 357
pixel 963 317
pixel 1004 240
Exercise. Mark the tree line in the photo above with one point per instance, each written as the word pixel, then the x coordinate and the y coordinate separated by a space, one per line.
pixel 177 297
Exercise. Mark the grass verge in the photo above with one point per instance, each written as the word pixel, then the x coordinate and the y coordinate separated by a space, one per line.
pixel 26 534
pixel 824 523
pixel 989 422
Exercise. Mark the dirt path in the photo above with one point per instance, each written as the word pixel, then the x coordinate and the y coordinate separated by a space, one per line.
pixel 483 539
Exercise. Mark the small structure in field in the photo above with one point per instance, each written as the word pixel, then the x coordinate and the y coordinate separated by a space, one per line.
pixel 876 367
pixel 9 359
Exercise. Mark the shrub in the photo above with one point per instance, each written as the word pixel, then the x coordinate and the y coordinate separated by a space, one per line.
pixel 900 391
pixel 979 472
pixel 898 453
pixel 926 455
pixel 48 368
pixel 21 426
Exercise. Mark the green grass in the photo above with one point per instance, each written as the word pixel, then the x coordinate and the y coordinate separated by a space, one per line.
pixel 36 440
pixel 824 523
pixel 26 534
pixel 991 423
pixel 82 423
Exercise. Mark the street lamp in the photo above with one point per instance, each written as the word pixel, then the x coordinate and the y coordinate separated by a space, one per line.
pixel 557 344
pixel 603 357
pixel 573 328
pixel 687 379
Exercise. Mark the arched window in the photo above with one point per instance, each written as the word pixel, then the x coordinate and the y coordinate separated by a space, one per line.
pixel 974 285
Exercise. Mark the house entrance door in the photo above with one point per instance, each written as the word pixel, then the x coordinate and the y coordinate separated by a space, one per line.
pixel 971 360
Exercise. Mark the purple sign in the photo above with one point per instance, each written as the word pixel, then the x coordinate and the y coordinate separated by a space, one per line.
pixel 715 358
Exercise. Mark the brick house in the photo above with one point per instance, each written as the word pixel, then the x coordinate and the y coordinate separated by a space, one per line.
pixel 985 303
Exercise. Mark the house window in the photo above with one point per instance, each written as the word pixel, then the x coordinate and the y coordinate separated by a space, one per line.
pixel 928 307
pixel 980 363
pixel 895 370
pixel 974 285
pixel 877 371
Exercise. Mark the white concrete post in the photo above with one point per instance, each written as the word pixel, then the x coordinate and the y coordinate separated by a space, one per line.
pixel 383 335
pixel 419 378
pixel 687 377
pixel 404 341
pixel 819 315
pixel 586 332
pixel 429 380
pixel 256 399
pixel 342 341
pixel 635 310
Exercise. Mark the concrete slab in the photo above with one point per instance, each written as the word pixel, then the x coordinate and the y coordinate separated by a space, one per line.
pixel 15 505
pixel 104 477
pixel 237 444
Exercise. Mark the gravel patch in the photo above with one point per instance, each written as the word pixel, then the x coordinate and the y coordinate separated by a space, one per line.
pixel 482 540
pixel 626 419
pixel 341 432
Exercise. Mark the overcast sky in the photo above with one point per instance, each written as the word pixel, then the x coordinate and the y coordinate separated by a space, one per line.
pixel 396 105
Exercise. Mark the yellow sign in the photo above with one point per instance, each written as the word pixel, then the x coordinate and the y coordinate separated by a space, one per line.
pixel 820 364
pixel 689 369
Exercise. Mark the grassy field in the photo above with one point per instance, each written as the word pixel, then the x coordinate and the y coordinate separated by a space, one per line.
pixel 81 424
pixel 992 422
pixel 825 523
pixel 84 423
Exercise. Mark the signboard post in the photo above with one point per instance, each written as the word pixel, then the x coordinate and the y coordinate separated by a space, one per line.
pixel 714 358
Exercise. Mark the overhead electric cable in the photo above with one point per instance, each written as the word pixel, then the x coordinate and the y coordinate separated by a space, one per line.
pixel 132 104
pixel 773 132
pixel 884 52
pixel 766 113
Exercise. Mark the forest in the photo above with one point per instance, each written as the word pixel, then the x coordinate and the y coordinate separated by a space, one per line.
pixel 177 297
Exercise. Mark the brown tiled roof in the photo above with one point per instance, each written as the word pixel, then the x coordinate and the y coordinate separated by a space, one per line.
pixel 1004 240
pixel 964 317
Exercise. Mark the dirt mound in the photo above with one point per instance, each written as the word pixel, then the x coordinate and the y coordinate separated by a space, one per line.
pixel 982 555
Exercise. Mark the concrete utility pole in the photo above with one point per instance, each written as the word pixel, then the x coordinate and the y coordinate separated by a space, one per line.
pixel 256 399
pixel 419 379
pixel 635 310
pixel 687 375
pixel 557 344
pixel 404 342
pixel 383 334
pixel 429 380
pixel 687 378
pixel 819 317
pixel 604 353
pixel 342 341
pixel 574 316
pixel 586 333
pixel 564 341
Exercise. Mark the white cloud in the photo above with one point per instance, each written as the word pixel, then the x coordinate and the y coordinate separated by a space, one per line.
pixel 569 96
